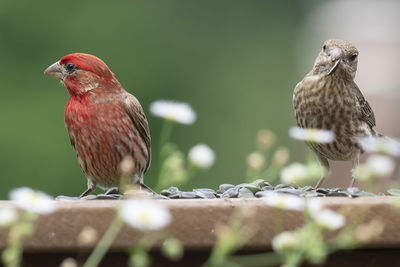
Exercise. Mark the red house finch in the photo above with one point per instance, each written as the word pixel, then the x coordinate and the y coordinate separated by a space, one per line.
pixel 105 123
pixel 328 98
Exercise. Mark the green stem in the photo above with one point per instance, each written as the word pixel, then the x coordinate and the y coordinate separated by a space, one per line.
pixel 271 174
pixel 105 242
pixel 191 172
pixel 278 225
pixel 12 255
pixel 165 135
pixel 294 260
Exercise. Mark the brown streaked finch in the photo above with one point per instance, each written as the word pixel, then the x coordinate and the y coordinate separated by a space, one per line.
pixel 106 125
pixel 328 98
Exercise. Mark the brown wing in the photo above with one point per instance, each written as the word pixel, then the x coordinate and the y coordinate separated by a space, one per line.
pixel 298 96
pixel 367 114
pixel 136 114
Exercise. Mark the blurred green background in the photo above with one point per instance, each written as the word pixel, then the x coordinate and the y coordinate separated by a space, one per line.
pixel 233 61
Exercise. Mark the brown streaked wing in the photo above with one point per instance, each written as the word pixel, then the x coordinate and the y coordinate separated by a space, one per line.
pixel 367 114
pixel 297 95
pixel 136 114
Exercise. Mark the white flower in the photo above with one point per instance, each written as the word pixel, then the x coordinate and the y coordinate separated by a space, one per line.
pixel 312 135
pixel 376 166
pixel 265 139
pixel 87 236
pixel 145 215
pixel 380 165
pixel 255 160
pixel 174 111
pixel 329 219
pixel 281 156
pixel 295 173
pixel 127 166
pixel 314 206
pixel 285 241
pixel 7 216
pixel 383 145
pixel 33 201
pixel 202 156
pixel 69 262
pixel 364 173
pixel 326 218
pixel 284 201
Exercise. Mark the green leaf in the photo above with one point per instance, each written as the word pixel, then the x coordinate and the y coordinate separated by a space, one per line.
pixel 173 170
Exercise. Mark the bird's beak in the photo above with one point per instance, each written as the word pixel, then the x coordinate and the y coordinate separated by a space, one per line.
pixel 334 68
pixel 55 70
pixel 335 56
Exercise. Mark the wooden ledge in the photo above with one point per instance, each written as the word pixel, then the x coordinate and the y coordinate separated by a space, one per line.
pixel 194 222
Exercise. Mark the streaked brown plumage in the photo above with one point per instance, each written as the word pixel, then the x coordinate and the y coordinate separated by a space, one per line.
pixel 328 98
pixel 105 123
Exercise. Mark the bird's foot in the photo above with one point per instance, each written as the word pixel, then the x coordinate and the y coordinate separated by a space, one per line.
pixel 353 181
pixel 143 185
pixel 353 191
pixel 89 197
pixel 140 191
pixel 319 183
pixel 111 193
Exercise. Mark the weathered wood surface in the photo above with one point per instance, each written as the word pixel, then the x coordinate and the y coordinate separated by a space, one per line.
pixel 194 222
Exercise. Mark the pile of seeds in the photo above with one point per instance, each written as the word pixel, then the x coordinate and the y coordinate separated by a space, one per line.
pixel 261 188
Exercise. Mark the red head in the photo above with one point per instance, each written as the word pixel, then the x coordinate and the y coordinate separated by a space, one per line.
pixel 81 73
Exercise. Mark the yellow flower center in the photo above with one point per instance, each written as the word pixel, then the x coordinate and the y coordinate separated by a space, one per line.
pixel 280 202
pixel 144 218
pixel 35 197
pixel 313 134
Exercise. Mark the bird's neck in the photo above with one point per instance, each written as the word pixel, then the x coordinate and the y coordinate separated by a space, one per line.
pixel 338 75
pixel 86 82
pixel 334 84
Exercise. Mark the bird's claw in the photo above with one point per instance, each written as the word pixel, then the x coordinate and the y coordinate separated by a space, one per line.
pixel 112 194
pixel 105 196
pixel 112 191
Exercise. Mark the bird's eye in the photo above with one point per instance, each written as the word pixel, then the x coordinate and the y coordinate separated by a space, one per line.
pixel 324 48
pixel 353 57
pixel 70 67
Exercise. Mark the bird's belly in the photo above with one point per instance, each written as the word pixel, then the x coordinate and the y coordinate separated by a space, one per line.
pixel 101 141
pixel 99 154
pixel 333 112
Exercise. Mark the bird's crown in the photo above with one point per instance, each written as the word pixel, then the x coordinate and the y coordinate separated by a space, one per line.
pixel 87 62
